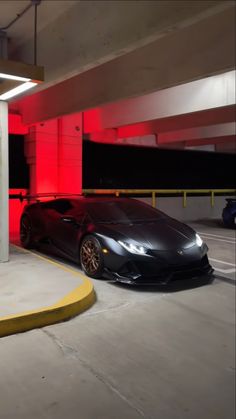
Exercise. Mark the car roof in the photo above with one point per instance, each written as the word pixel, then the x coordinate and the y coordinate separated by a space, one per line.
pixel 86 199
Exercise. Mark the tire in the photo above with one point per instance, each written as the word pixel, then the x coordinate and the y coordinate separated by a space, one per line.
pixel 91 257
pixel 26 236
pixel 229 223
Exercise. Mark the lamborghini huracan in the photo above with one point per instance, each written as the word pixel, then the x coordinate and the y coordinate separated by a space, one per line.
pixel 118 238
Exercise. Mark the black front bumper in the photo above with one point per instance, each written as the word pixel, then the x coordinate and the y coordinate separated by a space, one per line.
pixel 140 273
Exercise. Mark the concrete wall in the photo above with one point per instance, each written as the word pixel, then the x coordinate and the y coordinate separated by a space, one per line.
pixel 197 207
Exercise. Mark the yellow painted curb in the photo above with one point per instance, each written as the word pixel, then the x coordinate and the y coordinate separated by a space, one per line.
pixel 77 301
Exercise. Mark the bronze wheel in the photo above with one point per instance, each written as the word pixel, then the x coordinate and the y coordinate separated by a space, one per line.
pixel 91 257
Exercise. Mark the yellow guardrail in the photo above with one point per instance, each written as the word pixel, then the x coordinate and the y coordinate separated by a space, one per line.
pixel 155 192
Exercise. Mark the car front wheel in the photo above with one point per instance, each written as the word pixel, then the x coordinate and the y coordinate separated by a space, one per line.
pixel 26 236
pixel 91 257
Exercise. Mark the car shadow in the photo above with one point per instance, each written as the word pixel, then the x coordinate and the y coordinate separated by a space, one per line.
pixel 175 286
pixel 209 222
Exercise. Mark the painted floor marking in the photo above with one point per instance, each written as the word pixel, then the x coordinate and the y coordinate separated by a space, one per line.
pixel 216 235
pixel 221 261
pixel 225 271
pixel 218 240
pixel 225 279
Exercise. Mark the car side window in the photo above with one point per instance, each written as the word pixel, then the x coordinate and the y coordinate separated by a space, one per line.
pixel 62 206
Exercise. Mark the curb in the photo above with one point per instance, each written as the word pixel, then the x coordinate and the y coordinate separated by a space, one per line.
pixel 77 301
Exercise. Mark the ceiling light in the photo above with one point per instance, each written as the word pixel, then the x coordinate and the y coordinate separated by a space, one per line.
pixel 17 77
pixel 17 90
pixel 11 77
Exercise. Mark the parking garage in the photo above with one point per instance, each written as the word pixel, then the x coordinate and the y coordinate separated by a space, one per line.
pixel 127 100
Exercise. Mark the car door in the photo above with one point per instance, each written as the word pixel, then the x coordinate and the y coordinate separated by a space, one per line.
pixel 63 229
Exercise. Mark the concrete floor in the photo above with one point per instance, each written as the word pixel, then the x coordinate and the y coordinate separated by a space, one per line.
pixel 30 283
pixel 137 353
pixel 222 247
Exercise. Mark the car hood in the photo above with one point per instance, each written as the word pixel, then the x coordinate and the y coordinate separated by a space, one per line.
pixel 163 234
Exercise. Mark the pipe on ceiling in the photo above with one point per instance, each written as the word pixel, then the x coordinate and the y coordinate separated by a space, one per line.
pixel 3 34
pixel 18 16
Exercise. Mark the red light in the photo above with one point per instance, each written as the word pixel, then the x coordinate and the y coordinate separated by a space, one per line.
pixel 15 125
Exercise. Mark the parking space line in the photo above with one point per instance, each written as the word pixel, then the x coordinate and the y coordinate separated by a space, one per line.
pixel 225 271
pixel 221 261
pixel 215 235
pixel 205 236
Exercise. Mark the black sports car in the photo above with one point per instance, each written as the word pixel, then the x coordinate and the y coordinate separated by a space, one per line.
pixel 119 238
pixel 229 213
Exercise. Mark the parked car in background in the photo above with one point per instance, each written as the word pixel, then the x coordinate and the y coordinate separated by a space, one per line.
pixel 119 238
pixel 229 213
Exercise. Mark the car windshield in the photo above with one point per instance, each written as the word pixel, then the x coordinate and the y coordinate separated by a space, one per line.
pixel 122 212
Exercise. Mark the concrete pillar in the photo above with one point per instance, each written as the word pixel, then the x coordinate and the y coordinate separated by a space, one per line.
pixel 41 151
pixel 4 183
pixel 54 153
pixel 70 153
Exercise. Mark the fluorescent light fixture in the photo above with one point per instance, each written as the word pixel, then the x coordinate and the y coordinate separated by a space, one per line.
pixel 17 90
pixel 17 77
pixel 10 77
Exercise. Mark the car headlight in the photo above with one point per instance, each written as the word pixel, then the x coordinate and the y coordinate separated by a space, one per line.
pixel 133 248
pixel 199 241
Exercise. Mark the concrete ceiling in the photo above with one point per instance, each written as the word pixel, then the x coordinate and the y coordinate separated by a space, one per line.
pixel 74 36
pixel 22 30
pixel 98 52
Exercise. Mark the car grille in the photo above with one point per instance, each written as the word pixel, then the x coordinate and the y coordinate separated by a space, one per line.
pixel 160 273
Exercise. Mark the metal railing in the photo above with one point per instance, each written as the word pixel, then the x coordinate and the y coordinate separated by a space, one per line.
pixel 153 193
pixel 37 197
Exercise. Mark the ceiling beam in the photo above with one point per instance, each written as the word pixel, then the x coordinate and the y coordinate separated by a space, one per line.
pixel 198 133
pixel 202 49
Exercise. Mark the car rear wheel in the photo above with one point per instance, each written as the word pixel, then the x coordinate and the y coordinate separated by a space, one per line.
pixel 91 257
pixel 26 236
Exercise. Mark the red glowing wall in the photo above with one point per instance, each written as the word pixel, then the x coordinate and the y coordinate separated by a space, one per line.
pixel 15 125
pixel 53 150
pixel 15 210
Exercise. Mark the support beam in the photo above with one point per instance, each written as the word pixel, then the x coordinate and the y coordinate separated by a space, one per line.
pixel 220 115
pixel 193 134
pixel 118 27
pixel 200 50
pixel 197 96
pixel 4 183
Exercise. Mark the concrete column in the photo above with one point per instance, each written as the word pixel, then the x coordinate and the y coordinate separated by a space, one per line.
pixel 4 183
pixel 54 153
pixel 70 153
pixel 41 151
